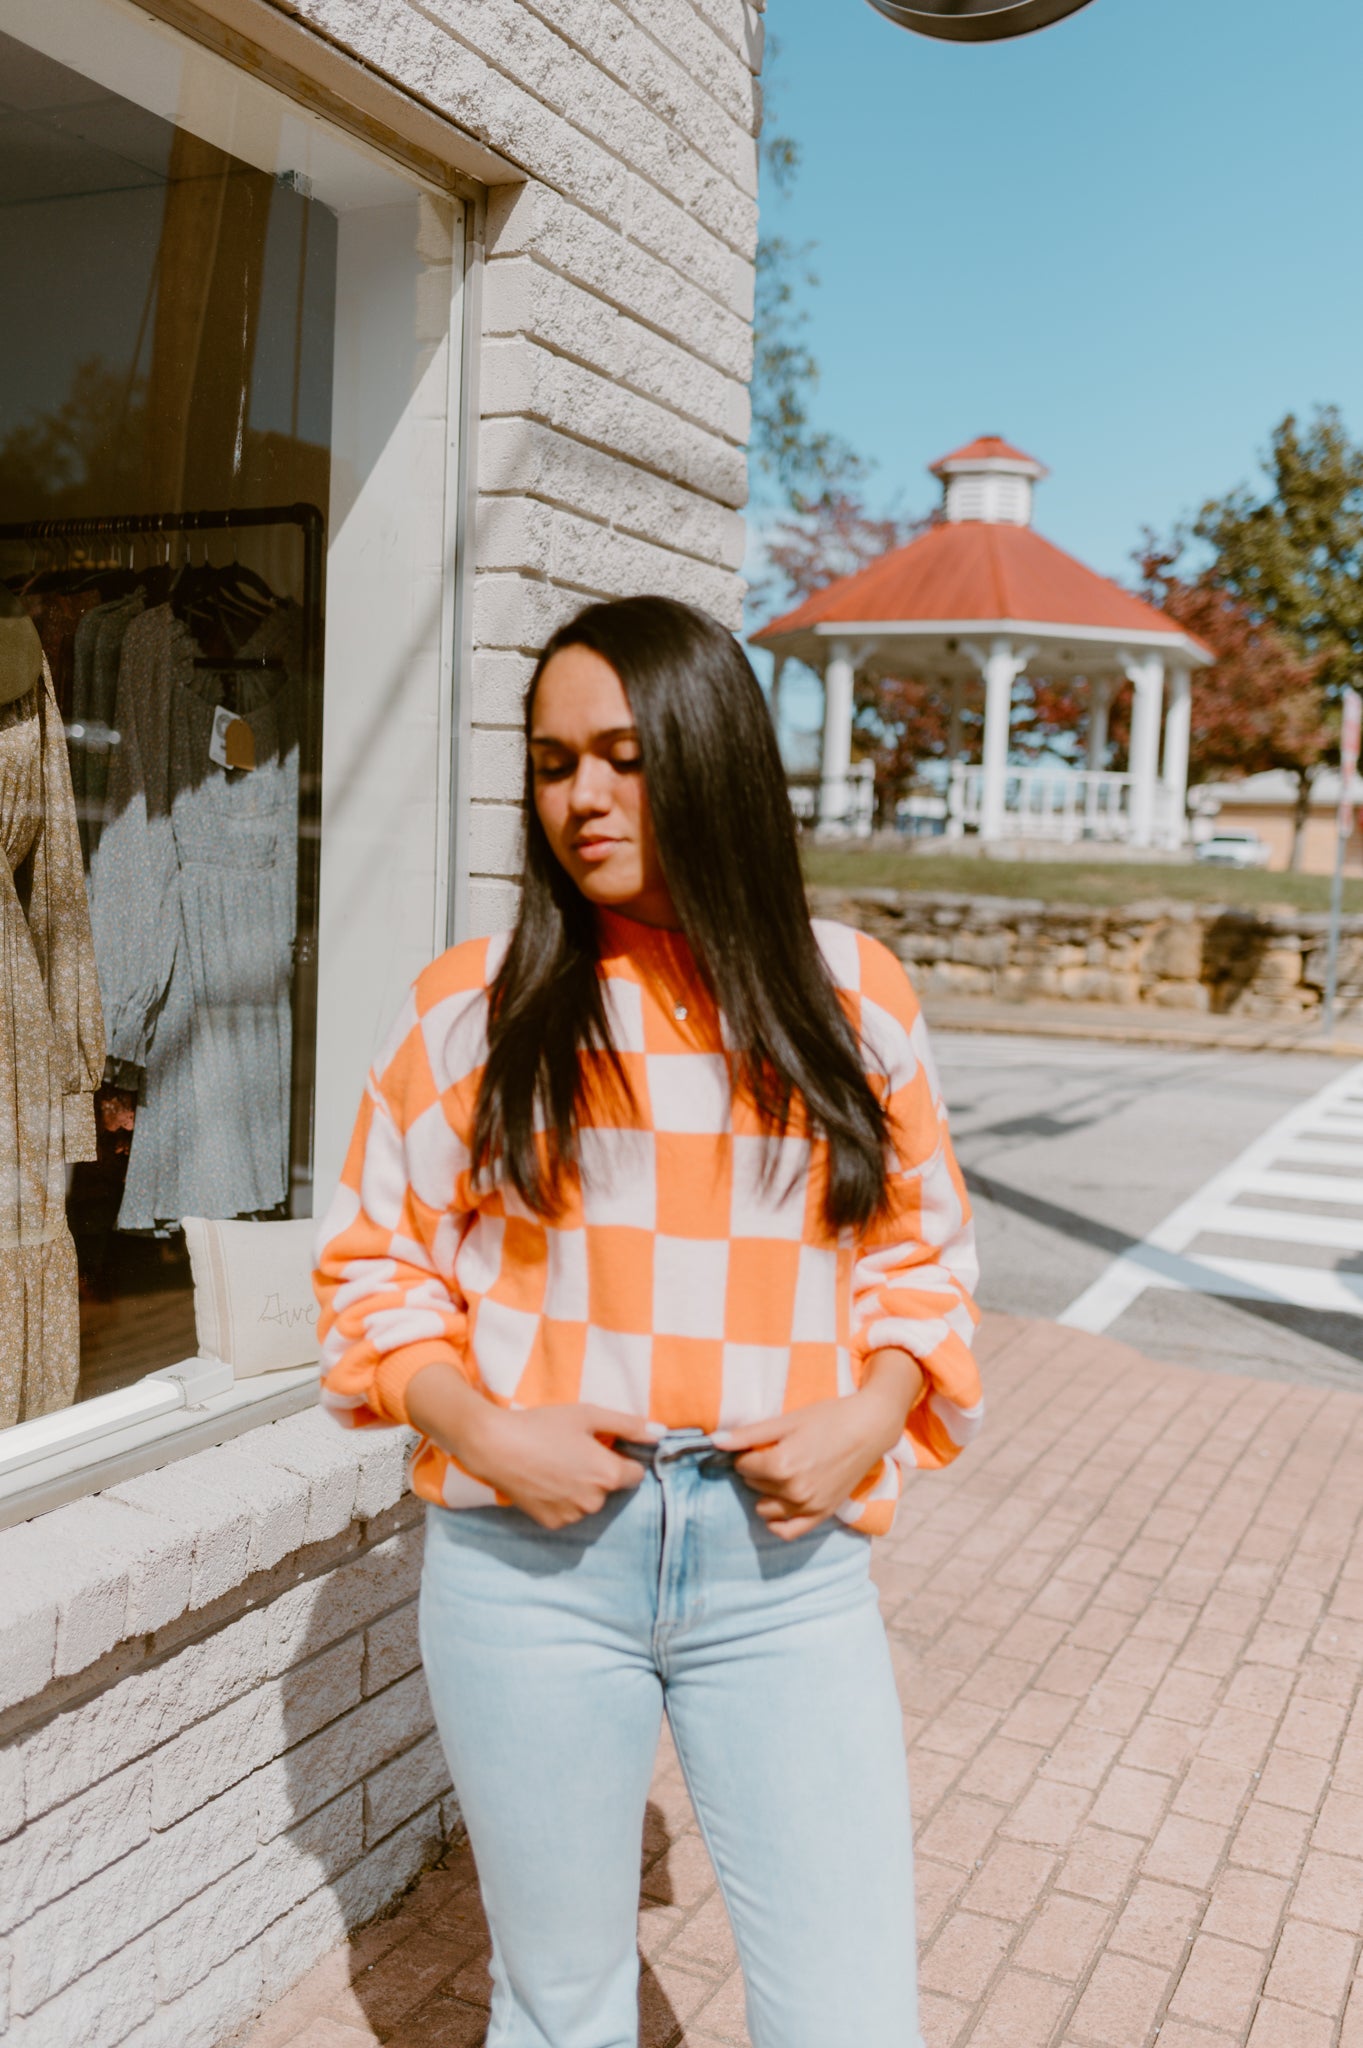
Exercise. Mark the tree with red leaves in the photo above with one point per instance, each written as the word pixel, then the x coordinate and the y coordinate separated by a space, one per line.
pixel 1261 706
pixel 897 721
pixel 824 538
pixel 1052 718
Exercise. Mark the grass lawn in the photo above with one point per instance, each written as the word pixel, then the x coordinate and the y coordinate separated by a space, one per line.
pixel 1068 881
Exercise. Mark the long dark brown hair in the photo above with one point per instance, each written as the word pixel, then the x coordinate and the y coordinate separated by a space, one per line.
pixel 726 844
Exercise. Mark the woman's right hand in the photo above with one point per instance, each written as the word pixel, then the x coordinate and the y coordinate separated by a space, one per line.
pixel 552 1463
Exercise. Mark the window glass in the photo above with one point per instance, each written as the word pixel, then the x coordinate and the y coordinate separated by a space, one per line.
pixel 225 385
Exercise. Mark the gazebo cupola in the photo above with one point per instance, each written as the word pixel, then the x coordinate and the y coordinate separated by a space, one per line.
pixel 989 480
pixel 975 605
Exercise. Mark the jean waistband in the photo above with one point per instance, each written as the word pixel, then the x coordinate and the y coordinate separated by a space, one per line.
pixel 675 1446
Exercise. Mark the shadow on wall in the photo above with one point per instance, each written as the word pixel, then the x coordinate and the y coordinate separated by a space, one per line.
pixel 358 1798
pixel 418 1976
pixel 1233 949
pixel 362 1799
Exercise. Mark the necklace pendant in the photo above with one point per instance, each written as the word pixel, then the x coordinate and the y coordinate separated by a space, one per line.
pixel 680 1012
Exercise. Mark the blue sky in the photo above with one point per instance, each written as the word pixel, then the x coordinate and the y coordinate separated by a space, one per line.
pixel 1129 243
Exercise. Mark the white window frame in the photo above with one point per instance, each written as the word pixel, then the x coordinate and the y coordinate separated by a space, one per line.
pixel 187 1405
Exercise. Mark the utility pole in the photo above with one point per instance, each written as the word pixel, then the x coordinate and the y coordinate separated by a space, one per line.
pixel 1350 732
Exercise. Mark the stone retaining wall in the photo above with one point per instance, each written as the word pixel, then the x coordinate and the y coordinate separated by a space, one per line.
pixel 1180 956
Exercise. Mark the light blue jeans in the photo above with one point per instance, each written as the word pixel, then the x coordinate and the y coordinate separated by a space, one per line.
pixel 550 1656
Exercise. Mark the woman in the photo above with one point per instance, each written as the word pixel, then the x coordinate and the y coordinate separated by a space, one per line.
pixel 650 1226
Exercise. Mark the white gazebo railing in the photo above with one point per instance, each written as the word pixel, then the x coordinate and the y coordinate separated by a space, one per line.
pixel 1063 805
pixel 846 803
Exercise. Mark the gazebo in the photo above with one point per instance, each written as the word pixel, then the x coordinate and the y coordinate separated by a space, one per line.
pixel 980 600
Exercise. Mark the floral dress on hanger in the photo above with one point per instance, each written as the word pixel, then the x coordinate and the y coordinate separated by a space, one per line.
pixel 51 1056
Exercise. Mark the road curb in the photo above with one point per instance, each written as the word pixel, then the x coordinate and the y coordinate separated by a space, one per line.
pixel 1127 1027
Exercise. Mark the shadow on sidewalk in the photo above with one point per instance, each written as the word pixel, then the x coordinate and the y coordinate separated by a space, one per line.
pixel 418 1977
pixel 1337 1332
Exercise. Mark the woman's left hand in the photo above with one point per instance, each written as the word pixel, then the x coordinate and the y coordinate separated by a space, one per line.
pixel 804 1465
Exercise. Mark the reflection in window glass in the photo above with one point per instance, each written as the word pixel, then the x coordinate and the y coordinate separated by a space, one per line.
pixel 166 413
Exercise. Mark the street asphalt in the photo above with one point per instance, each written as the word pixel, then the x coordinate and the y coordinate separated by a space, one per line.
pixel 1076 1152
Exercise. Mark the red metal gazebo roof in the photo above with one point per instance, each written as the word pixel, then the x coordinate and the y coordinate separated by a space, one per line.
pixel 986 448
pixel 976 570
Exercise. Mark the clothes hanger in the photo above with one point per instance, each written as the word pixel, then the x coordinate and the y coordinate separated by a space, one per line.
pixel 52 578
pixel 157 578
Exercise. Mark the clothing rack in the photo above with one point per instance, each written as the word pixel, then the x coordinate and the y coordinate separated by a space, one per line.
pixel 308 519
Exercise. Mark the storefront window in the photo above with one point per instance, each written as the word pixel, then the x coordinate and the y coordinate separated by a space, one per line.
pixel 225 525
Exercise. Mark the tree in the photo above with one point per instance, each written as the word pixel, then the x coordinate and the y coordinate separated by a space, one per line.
pixel 897 720
pixel 1291 562
pixel 1294 558
pixel 787 452
pixel 793 458
pixel 1051 718
pixel 824 529
pixel 898 723
pixel 833 536
pixel 58 462
pixel 1262 704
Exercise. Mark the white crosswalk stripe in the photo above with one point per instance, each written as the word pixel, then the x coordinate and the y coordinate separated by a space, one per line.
pixel 1322 1151
pixel 1304 1187
pixel 1313 1156
pixel 1286 1226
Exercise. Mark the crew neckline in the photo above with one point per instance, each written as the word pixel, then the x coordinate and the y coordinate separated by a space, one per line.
pixel 629 938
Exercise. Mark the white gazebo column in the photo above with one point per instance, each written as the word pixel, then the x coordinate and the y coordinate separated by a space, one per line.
pixel 839 677
pixel 1147 678
pixel 1000 668
pixel 1178 725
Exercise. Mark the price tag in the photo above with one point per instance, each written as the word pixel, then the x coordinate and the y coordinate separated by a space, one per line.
pixel 233 743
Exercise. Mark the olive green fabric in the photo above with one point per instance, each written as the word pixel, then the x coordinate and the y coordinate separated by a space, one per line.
pixel 21 651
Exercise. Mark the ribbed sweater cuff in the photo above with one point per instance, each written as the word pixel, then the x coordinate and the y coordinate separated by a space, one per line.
pixel 397 1369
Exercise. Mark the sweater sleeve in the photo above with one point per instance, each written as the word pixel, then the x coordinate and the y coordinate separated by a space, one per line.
pixel 916 1267
pixel 389 1299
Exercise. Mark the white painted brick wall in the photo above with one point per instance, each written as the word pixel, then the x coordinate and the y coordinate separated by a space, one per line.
pixel 191 1820
pixel 533 219
pixel 216 1747
pixel 617 311
pixel 523 380
pixel 526 299
pixel 520 455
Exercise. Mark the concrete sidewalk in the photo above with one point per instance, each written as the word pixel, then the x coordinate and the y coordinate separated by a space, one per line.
pixel 1129 1633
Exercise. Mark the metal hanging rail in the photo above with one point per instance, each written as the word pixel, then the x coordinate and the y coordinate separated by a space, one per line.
pixel 312 527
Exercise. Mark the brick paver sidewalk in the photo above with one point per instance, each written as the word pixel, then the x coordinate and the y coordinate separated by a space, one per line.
pixel 1129 1632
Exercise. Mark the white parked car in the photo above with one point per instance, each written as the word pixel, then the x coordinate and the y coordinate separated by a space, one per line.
pixel 1235 850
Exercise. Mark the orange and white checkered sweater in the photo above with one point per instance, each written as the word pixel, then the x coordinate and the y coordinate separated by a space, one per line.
pixel 683 1279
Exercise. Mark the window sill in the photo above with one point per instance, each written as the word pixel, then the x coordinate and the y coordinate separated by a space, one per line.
pixel 169 1414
